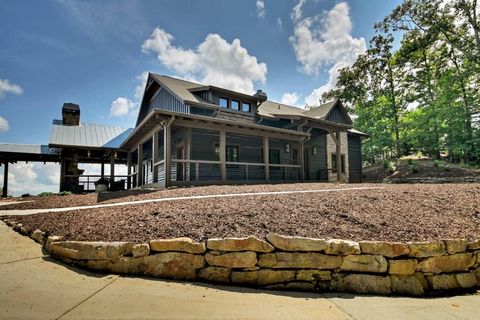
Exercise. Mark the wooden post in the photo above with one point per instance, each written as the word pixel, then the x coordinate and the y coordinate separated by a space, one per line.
pixel 102 170
pixel 155 155
pixel 140 165
pixel 5 180
pixel 266 157
pixel 167 151
pixel 188 153
pixel 302 161
pixel 339 157
pixel 129 170
pixel 112 169
pixel 223 154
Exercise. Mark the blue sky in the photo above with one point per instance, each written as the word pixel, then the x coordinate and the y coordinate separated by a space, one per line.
pixel 94 52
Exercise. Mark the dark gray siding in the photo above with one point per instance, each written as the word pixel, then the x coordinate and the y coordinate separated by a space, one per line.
pixel 337 116
pixel 355 159
pixel 166 101
pixel 317 164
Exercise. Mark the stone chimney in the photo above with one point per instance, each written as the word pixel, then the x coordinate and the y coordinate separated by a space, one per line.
pixel 71 114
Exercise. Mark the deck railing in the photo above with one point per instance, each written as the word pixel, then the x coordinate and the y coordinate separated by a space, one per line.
pixel 87 181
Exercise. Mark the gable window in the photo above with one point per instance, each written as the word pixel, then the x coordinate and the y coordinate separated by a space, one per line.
pixel 246 107
pixel 334 163
pixel 235 105
pixel 223 102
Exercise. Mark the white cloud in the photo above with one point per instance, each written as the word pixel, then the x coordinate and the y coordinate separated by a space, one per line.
pixel 32 178
pixel 7 87
pixel 214 61
pixel 325 40
pixel 121 107
pixel 279 23
pixel 4 126
pixel 290 99
pixel 261 8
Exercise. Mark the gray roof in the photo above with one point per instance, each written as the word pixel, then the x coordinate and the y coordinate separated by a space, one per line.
pixel 88 135
pixel 27 148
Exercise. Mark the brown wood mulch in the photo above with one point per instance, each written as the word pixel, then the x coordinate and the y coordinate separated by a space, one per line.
pixel 395 213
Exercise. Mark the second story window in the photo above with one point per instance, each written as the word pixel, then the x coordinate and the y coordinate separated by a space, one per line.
pixel 223 102
pixel 246 107
pixel 235 105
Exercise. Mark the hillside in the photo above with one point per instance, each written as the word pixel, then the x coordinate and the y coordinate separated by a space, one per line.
pixel 416 169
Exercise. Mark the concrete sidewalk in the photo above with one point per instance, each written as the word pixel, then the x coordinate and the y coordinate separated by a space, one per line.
pixel 33 286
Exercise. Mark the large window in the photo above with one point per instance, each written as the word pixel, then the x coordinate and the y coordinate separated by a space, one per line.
pixel 231 153
pixel 246 107
pixel 334 163
pixel 235 105
pixel 223 102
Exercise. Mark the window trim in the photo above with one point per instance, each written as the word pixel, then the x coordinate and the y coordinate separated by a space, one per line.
pixel 249 107
pixel 231 104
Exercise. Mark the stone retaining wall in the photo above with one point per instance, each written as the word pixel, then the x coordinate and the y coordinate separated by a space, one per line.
pixel 286 263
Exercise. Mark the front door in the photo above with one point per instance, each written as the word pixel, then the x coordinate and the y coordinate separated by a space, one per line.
pixel 180 166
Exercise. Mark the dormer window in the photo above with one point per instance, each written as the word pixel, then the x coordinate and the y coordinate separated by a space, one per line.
pixel 246 107
pixel 235 105
pixel 223 102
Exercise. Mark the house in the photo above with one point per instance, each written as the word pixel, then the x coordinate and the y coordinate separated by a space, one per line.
pixel 192 134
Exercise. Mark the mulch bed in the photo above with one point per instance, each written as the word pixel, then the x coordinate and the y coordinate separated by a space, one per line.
pixel 74 200
pixel 395 213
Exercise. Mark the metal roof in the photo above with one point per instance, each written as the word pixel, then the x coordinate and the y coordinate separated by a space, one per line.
pixel 87 135
pixel 27 148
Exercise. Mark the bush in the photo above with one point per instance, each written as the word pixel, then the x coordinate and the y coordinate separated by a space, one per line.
pixel 389 165
pixel 45 194
pixel 65 193
pixel 414 167
pixel 410 161
pixel 25 195
pixel 437 163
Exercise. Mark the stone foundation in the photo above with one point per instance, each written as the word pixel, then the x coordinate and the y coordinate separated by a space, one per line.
pixel 285 263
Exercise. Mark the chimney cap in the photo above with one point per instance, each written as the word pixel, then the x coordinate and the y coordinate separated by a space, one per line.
pixel 68 106
pixel 260 95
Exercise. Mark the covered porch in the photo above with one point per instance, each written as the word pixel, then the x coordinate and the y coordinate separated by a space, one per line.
pixel 181 150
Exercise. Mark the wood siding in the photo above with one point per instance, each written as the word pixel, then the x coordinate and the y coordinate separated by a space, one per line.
pixel 337 116
pixel 355 159
pixel 317 164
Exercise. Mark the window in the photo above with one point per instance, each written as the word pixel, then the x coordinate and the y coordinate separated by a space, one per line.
pixel 274 158
pixel 231 153
pixel 334 163
pixel 235 105
pixel 246 107
pixel 223 102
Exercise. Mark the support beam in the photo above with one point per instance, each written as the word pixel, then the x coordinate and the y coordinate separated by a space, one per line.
pixel 102 170
pixel 167 151
pixel 266 157
pixel 339 157
pixel 155 155
pixel 223 154
pixel 5 180
pixel 140 165
pixel 112 168
pixel 129 170
pixel 302 161
pixel 188 152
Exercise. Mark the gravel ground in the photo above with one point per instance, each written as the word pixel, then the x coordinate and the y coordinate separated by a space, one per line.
pixel 56 201
pixel 395 213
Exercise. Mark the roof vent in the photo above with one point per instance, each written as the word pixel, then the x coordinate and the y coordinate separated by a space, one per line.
pixel 261 96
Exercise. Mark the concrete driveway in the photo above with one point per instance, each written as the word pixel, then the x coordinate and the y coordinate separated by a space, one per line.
pixel 33 286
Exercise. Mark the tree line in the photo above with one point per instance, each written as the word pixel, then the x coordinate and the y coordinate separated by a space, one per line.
pixel 423 96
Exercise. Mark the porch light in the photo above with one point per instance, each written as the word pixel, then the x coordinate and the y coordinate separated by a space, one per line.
pixel 314 151
pixel 287 147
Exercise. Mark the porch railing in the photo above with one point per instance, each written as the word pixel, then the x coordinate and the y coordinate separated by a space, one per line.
pixel 87 181
pixel 206 170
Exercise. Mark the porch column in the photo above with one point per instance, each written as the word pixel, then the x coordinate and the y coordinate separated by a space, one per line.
pixel 266 157
pixel 167 151
pixel 302 161
pixel 140 165
pixel 223 154
pixel 112 168
pixel 339 157
pixel 5 180
pixel 188 153
pixel 102 170
pixel 155 155
pixel 129 170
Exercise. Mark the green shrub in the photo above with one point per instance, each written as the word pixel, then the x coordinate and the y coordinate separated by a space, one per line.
pixel 410 161
pixel 414 167
pixel 65 193
pixel 25 195
pixel 437 163
pixel 389 165
pixel 45 194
